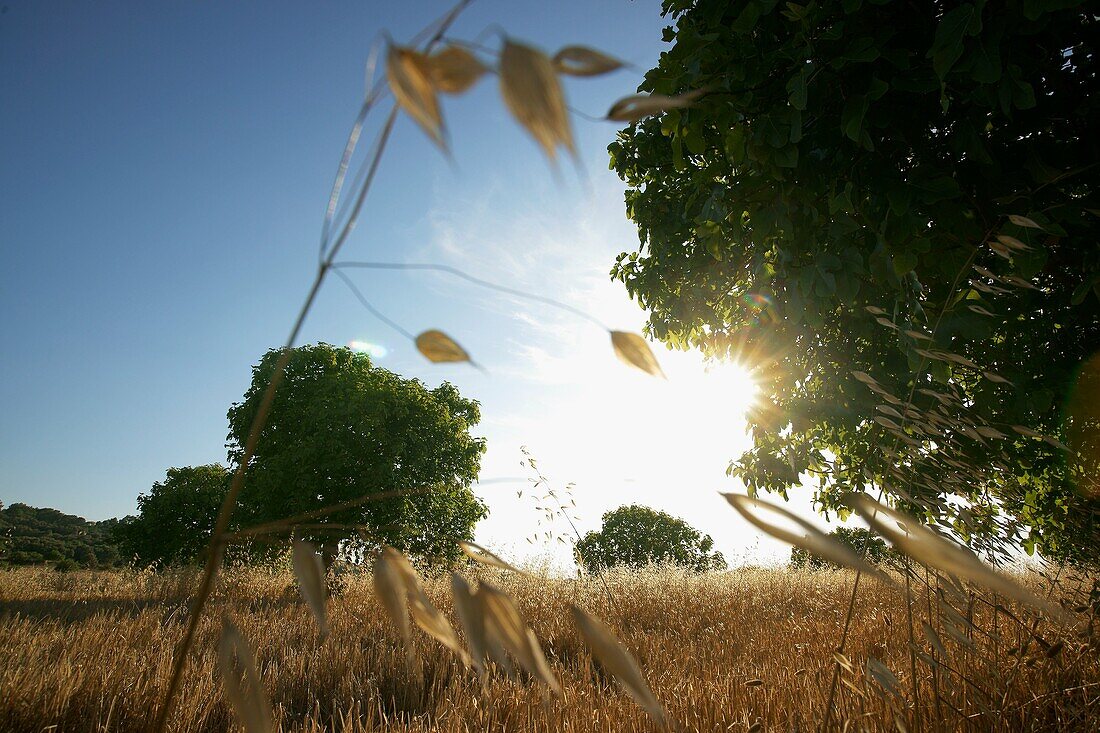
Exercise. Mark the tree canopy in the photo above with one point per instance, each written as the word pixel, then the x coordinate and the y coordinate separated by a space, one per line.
pixel 634 536
pixel 890 210
pixel 341 430
pixel 31 536
pixel 176 517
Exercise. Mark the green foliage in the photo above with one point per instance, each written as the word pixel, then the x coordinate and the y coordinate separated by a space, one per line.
pixel 863 542
pixel 32 536
pixel 341 430
pixel 635 536
pixel 176 517
pixel 897 191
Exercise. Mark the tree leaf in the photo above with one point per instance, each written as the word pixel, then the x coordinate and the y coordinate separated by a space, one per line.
pixel 454 70
pixel 439 348
pixel 1023 221
pixel 619 661
pixel 584 61
pixel 947 46
pixel 408 76
pixel 632 349
pixel 1012 242
pixel 533 94
pixel 310 572
pixel 864 377
pixel 485 557
pixel 248 699
pixel 637 106
pixel 887 423
pixel 812 540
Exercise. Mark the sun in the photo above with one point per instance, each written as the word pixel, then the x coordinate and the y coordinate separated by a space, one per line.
pixel 726 389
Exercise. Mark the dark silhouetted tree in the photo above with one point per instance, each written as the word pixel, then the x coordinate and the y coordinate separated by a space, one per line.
pixel 889 209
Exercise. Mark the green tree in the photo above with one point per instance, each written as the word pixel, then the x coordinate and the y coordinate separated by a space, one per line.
pixel 635 536
pixel 890 210
pixel 175 518
pixel 863 542
pixel 341 430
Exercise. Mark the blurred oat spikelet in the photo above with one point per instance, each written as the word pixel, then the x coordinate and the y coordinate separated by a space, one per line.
pixel 494 628
pixel 532 92
pixel 246 695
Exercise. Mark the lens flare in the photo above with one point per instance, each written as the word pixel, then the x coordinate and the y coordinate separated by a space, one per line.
pixel 759 306
pixel 366 347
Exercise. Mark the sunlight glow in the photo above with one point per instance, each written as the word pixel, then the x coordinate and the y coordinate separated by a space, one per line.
pixel 732 385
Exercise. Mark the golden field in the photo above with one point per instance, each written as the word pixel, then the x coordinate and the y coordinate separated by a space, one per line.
pixel 747 649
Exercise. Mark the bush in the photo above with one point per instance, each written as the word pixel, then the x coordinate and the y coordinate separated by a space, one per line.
pixel 864 542
pixel 635 536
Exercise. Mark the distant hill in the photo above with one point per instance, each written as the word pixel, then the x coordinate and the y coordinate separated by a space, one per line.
pixel 33 536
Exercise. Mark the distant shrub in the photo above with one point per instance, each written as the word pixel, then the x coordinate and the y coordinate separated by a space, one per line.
pixel 635 536
pixel 864 542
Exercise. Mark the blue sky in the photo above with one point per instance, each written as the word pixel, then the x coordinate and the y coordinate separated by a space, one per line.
pixel 165 170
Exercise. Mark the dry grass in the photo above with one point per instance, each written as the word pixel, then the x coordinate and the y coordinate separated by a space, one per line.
pixel 92 652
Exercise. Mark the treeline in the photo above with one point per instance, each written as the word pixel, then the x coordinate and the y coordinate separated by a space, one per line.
pixel 32 536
